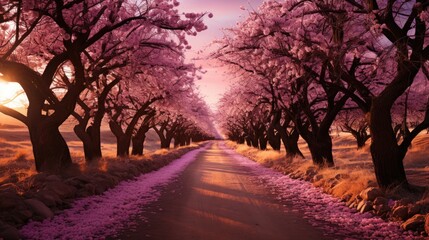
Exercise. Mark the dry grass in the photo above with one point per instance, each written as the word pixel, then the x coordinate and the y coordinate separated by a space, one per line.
pixel 354 169
pixel 17 168
pixel 17 162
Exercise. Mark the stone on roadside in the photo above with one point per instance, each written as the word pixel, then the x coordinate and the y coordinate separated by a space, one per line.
pixel 340 176
pixel 371 193
pixel 53 178
pixel 416 223
pixel 381 201
pixel 317 177
pixel 61 189
pixel 39 208
pixel 381 209
pixel 402 202
pixel 364 206
pixel 48 197
pixel 427 223
pixel 311 171
pixel 400 212
pixel 413 209
pixel 346 197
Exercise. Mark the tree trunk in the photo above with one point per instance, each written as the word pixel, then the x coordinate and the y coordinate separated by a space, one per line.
pixel 361 141
pixel 123 148
pixel 188 141
pixel 138 145
pixel 290 143
pixel 263 142
pixel 165 143
pixel 123 141
pixel 177 141
pixel 95 134
pixel 255 141
pixel 273 139
pixel 248 141
pixel 91 142
pixel 386 156
pixel 321 150
pixel 51 152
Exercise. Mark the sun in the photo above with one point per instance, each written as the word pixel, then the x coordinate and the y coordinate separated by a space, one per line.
pixel 12 95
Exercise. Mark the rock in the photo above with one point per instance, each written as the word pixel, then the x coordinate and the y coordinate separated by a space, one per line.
pixel 401 212
pixel 364 206
pixel 39 208
pixel 318 177
pixel 416 223
pixel 381 201
pixel 53 178
pixel 9 200
pixel 311 172
pixel 340 176
pixel 402 202
pixel 346 197
pixel 413 209
pixel 371 193
pixel 381 209
pixel 37 181
pixel 8 232
pixel 427 223
pixel 61 189
pixel 48 197
pixel 352 205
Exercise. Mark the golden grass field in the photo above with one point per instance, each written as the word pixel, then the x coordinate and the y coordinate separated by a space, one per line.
pixel 356 164
pixel 16 153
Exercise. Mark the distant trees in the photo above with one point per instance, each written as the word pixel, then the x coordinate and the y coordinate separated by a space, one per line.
pixel 70 56
pixel 310 60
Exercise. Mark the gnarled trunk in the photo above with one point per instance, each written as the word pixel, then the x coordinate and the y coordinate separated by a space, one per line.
pixel 188 141
pixel 51 152
pixel 248 141
pixel 361 140
pixel 290 143
pixel 165 143
pixel 123 141
pixel 138 144
pixel 274 139
pixel 123 148
pixel 321 149
pixel 263 142
pixel 91 142
pixel 386 155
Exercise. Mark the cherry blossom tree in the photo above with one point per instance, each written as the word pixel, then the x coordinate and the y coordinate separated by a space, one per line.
pixel 184 117
pixel 403 33
pixel 353 122
pixel 68 29
pixel 293 65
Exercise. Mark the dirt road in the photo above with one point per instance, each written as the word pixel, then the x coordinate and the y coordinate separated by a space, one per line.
pixel 216 198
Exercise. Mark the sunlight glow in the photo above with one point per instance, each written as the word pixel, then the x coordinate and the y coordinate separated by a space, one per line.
pixel 12 95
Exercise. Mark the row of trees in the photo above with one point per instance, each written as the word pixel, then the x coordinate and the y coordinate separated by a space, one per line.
pixel 101 60
pixel 303 64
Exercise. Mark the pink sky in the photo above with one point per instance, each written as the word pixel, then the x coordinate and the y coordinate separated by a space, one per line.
pixel 226 14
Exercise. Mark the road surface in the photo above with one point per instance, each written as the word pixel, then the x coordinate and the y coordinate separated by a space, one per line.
pixel 216 198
